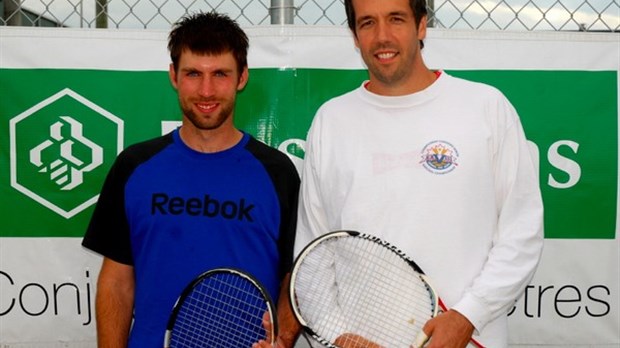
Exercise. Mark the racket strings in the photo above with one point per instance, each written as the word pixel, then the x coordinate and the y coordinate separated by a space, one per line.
pixel 223 310
pixel 387 290
pixel 222 321
pixel 360 287
pixel 216 332
pixel 219 322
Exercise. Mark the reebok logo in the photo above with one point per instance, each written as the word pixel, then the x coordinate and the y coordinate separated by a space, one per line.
pixel 163 204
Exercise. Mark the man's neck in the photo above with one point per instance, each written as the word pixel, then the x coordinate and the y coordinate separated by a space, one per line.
pixel 418 82
pixel 210 141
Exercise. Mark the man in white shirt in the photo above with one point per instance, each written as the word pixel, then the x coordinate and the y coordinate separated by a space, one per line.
pixel 437 166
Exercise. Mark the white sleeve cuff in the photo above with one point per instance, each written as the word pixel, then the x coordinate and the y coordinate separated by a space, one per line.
pixel 474 309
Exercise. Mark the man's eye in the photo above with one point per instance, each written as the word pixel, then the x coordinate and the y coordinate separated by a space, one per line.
pixel 365 24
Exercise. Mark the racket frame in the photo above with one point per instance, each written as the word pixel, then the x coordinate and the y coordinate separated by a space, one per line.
pixel 350 233
pixel 271 308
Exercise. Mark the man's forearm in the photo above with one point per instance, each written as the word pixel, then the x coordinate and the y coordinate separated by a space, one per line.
pixel 113 322
pixel 289 327
pixel 114 305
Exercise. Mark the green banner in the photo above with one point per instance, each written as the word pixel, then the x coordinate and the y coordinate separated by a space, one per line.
pixel 575 128
pixel 61 138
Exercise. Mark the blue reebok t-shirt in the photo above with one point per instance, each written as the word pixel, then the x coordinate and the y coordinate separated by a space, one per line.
pixel 174 213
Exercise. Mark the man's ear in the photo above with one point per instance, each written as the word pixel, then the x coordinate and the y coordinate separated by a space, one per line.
pixel 243 78
pixel 422 28
pixel 172 74
pixel 357 45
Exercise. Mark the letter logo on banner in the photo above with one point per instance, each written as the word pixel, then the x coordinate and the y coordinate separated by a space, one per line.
pixel 66 170
pixel 52 153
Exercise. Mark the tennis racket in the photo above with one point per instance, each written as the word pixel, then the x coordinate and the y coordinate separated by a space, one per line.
pixel 221 308
pixel 350 289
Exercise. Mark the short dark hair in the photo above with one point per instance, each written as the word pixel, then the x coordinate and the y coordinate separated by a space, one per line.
pixel 209 33
pixel 418 7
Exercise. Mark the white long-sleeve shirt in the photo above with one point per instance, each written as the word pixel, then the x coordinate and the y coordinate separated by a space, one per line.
pixel 444 174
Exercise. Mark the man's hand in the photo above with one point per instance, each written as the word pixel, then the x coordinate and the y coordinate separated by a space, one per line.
pixel 349 340
pixel 449 329
pixel 289 327
pixel 268 325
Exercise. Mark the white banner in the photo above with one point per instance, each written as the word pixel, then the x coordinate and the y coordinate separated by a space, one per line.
pixel 47 283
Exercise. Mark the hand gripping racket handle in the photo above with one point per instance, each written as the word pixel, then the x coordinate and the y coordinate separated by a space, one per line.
pixel 421 338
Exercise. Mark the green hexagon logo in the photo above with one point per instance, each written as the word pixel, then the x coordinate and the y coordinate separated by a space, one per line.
pixel 61 150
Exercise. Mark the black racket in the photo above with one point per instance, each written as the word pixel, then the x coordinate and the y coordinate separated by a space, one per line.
pixel 354 289
pixel 221 308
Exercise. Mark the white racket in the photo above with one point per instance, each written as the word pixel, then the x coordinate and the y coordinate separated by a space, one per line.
pixel 350 289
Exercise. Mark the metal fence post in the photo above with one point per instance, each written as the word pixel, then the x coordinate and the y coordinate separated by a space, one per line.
pixel 431 13
pixel 282 11
pixel 12 13
pixel 101 13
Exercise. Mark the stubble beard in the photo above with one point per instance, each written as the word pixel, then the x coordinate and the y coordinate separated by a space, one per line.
pixel 387 75
pixel 214 121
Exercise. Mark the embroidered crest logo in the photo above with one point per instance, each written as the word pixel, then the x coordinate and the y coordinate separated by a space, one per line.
pixel 439 157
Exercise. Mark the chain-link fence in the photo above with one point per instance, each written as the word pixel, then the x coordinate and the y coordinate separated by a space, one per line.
pixel 569 15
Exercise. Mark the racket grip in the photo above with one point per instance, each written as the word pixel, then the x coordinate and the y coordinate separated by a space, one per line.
pixel 420 340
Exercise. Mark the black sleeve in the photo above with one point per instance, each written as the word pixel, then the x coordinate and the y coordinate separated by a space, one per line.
pixel 286 180
pixel 108 231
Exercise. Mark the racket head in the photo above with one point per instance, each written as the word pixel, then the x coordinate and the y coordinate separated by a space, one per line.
pixel 223 307
pixel 349 284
